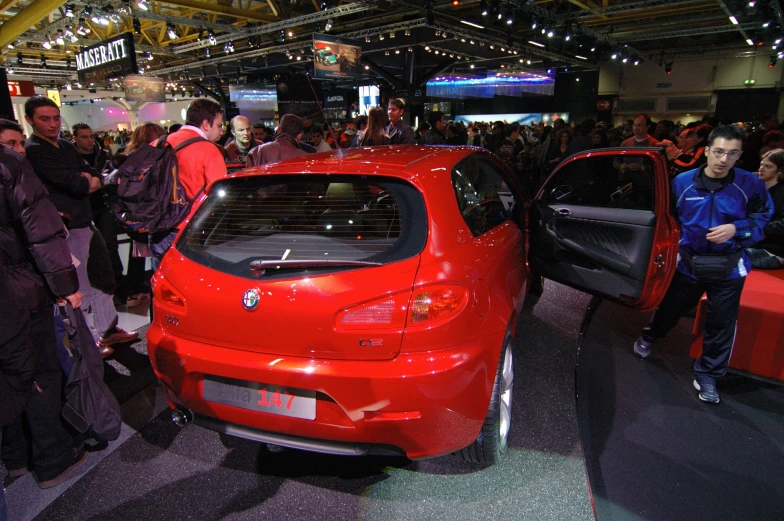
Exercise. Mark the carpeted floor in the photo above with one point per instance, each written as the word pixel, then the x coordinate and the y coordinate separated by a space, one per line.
pixel 654 451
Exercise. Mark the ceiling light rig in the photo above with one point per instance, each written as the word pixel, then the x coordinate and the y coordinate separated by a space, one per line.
pixel 171 31
pixel 144 5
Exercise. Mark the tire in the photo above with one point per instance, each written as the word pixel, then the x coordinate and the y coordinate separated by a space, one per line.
pixel 491 444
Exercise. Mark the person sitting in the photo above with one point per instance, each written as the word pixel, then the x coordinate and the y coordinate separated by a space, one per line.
pixel 769 253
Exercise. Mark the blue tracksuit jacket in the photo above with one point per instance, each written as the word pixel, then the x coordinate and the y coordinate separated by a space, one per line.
pixel 744 201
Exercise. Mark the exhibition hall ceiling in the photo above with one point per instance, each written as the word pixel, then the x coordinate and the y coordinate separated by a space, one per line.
pixel 237 39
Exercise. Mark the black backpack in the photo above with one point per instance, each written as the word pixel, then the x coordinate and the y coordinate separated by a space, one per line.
pixel 151 197
pixel 90 408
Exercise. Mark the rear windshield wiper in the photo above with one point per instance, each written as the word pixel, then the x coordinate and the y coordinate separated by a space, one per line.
pixel 260 266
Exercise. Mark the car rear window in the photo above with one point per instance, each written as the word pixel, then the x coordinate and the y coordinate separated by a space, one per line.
pixel 284 225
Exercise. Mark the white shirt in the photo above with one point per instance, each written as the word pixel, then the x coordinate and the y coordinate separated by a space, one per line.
pixel 323 146
pixel 196 129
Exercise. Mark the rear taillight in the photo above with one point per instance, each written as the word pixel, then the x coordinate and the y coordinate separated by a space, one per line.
pixel 434 303
pixel 388 313
pixel 164 294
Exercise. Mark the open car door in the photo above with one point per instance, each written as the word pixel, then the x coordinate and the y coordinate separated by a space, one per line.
pixel 602 224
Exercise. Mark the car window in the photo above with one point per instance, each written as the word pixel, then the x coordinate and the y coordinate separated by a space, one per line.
pixel 483 197
pixel 606 181
pixel 305 219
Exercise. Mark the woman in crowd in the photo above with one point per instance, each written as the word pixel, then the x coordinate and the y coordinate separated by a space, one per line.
pixel 138 288
pixel 375 132
pixel 769 253
pixel 564 137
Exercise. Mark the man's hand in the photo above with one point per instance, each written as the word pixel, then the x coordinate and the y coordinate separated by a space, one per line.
pixel 75 299
pixel 95 184
pixel 723 233
pixel 671 152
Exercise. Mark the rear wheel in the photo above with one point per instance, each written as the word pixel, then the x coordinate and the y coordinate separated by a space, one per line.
pixel 493 440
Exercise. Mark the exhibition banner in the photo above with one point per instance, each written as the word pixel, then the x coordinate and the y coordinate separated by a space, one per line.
pixel 113 58
pixel 335 58
pixel 144 88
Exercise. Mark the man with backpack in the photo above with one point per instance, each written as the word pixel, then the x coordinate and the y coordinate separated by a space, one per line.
pixel 70 181
pixel 199 162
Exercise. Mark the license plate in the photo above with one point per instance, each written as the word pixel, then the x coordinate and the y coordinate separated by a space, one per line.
pixel 255 396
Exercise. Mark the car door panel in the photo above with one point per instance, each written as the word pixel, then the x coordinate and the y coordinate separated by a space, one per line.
pixel 605 228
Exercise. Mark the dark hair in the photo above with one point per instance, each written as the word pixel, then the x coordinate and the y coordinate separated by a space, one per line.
pixel 434 117
pixel 776 156
pixel 38 101
pixel 728 132
pixel 260 125
pixel 400 103
pixel 174 128
pixel 511 129
pixel 7 124
pixel 201 110
pixel 647 118
pixel 361 121
pixel 79 126
pixel 772 135
pixel 144 133
pixel 317 129
pixel 291 124
pixel 423 127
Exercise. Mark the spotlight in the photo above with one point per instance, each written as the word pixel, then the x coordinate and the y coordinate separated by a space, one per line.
pixel 533 24
pixel 289 33
pixel 87 11
pixel 483 7
pixel 171 31
pixel 455 3
pixel 324 6
pixel 773 60
pixel 82 29
pixel 328 25
pixel 46 44
pixel 392 34
pixel 59 38
pixel 367 39
pixel 144 5
pixel 407 32
pixel 668 68
pixel 43 62
pixel 19 58
pixel 207 52
pixel 69 10
pixel 137 26
pixel 149 56
pixel 211 36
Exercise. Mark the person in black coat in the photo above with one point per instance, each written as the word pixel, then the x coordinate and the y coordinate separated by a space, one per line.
pixel 37 260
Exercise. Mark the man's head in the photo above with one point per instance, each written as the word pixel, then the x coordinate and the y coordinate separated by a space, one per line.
pixel 12 135
pixel 395 110
pixel 724 148
pixel 317 134
pixel 688 139
pixel 259 132
pixel 558 124
pixel 291 125
pixel 436 120
pixel 240 128
pixel 361 122
pixel 206 115
pixel 770 121
pixel 423 128
pixel 512 131
pixel 642 123
pixel 43 115
pixel 83 138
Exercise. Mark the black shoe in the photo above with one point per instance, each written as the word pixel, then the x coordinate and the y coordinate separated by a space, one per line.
pixel 79 458
pixel 707 392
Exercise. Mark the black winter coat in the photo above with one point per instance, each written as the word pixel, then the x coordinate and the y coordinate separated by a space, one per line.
pixel 32 238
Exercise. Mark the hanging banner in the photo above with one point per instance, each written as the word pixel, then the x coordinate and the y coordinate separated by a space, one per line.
pixel 335 58
pixel 111 58
pixel 21 88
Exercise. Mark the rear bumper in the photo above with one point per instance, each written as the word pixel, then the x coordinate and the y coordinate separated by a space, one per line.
pixel 424 404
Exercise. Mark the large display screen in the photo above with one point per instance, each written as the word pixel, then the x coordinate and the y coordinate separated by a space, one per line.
pixel 369 96
pixel 144 88
pixel 335 58
pixel 251 96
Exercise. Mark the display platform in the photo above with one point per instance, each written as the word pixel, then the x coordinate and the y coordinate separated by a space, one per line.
pixel 653 451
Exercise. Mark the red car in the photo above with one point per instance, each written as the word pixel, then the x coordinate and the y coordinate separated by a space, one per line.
pixel 366 303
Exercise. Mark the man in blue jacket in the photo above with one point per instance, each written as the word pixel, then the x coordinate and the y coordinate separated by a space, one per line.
pixel 721 211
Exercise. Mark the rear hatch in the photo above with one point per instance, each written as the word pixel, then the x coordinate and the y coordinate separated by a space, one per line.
pixel 303 265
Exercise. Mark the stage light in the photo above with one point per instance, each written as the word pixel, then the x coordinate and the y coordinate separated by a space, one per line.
pixel 144 5
pixel 171 31
pixel 211 36
pixel 328 25
pixel 69 10
pixel 668 68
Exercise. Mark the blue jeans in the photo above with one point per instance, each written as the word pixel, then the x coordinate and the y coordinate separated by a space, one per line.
pixel 159 249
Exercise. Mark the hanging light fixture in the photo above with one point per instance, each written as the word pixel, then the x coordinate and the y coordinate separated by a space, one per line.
pixel 171 31
pixel 144 5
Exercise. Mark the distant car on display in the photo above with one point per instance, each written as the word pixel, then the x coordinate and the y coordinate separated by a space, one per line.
pixel 366 304
pixel 326 57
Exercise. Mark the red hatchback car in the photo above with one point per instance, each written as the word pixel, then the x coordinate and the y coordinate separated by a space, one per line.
pixel 366 303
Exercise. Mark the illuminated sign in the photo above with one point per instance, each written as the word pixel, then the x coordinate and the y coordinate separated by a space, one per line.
pixel 54 95
pixel 109 59
pixel 21 88
pixel 336 57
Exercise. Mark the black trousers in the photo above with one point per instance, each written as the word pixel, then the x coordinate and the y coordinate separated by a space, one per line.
pixel 720 322
pixel 50 448
pixel 106 223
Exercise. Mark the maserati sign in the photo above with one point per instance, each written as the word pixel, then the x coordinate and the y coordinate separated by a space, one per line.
pixel 112 58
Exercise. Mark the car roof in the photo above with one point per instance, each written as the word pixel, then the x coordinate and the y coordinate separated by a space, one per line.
pixel 389 159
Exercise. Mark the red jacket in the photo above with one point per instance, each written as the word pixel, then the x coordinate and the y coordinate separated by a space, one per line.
pixel 199 163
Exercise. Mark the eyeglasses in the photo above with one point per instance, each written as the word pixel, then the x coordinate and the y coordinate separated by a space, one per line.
pixel 731 154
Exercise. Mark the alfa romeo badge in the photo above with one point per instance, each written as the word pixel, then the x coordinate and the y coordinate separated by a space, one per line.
pixel 250 299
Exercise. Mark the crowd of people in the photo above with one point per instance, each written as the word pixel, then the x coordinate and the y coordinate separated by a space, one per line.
pixel 59 234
